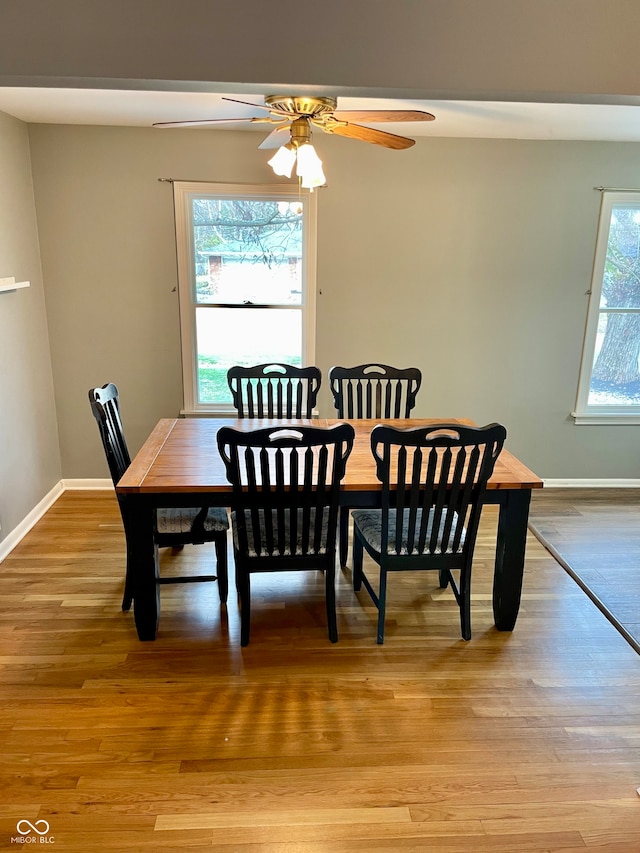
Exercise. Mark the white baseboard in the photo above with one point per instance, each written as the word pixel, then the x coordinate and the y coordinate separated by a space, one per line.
pixel 87 484
pixel 18 533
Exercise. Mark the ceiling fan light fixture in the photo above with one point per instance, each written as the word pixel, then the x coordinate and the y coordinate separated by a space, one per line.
pixel 309 167
pixel 283 160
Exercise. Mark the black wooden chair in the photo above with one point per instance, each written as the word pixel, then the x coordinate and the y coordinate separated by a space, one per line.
pixel 374 390
pixel 371 391
pixel 429 520
pixel 174 527
pixel 286 485
pixel 274 390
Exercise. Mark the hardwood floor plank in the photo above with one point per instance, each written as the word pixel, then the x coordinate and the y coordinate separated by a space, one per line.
pixel 522 742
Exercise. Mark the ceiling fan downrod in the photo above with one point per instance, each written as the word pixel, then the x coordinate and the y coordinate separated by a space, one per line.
pixel 300 131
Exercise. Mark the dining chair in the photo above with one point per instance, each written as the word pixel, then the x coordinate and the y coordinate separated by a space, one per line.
pixel 374 390
pixel 174 527
pixel 371 391
pixel 274 390
pixel 433 484
pixel 284 504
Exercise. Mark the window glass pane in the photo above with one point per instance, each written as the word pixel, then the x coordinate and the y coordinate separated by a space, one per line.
pixel 227 336
pixel 247 250
pixel 615 376
pixel 621 280
pixel 615 367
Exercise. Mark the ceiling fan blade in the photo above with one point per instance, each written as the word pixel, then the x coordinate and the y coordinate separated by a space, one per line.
pixel 375 116
pixel 368 134
pixel 200 122
pixel 279 136
pixel 246 103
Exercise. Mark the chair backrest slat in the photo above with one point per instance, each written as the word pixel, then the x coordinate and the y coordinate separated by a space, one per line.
pixel 105 406
pixel 374 390
pixel 274 390
pixel 286 486
pixel 433 483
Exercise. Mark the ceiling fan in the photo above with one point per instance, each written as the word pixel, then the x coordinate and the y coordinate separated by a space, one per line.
pixel 294 116
pixel 285 110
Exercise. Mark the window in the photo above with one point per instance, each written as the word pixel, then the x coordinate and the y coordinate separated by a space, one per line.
pixel 246 281
pixel 609 388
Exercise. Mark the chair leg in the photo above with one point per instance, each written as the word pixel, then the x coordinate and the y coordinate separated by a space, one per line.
pixel 244 594
pixel 222 568
pixel 465 603
pixel 382 605
pixel 444 578
pixel 344 535
pixel 330 595
pixel 358 550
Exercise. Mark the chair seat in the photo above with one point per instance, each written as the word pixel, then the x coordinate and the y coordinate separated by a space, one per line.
pixel 286 531
pixel 179 520
pixel 369 522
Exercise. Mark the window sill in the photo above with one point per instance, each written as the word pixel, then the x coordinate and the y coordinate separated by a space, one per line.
pixel 224 413
pixel 208 413
pixel 604 419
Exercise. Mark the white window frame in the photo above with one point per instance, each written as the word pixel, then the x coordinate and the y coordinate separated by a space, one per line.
pixel 601 414
pixel 184 192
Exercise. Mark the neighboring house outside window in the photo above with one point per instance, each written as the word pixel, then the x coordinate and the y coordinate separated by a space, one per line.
pixel 246 281
pixel 609 386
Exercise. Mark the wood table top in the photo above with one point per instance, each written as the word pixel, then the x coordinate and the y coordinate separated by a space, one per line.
pixel 181 455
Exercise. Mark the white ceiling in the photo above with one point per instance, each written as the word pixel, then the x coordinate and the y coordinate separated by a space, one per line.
pixel 482 119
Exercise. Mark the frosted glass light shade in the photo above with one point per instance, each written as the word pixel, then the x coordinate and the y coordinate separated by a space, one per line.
pixel 309 167
pixel 283 160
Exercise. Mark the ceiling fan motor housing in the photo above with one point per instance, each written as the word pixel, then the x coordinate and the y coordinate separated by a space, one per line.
pixel 302 105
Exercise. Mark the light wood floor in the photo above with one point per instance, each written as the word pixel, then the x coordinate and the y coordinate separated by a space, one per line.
pixel 526 742
pixel 596 534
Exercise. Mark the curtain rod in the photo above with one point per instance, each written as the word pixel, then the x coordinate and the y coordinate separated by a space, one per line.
pixel 599 189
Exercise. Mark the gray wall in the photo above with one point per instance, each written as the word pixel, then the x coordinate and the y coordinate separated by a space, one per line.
pixel 545 49
pixel 29 454
pixel 468 258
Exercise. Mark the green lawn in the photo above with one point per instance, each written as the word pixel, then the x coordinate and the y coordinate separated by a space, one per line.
pixel 212 376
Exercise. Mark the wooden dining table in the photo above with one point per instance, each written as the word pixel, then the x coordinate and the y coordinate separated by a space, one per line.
pixel 179 465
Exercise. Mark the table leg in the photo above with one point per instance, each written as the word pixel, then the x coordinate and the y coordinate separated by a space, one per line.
pixel 510 550
pixel 144 568
pixel 343 535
